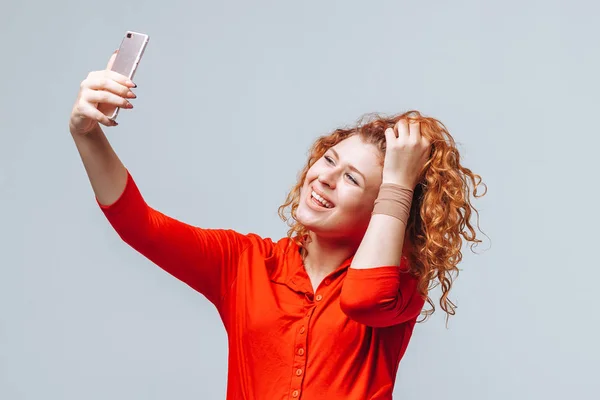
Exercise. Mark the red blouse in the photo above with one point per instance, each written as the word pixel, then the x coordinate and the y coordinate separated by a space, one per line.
pixel 343 341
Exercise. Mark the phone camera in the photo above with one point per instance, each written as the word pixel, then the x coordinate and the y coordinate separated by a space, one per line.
pixel 129 35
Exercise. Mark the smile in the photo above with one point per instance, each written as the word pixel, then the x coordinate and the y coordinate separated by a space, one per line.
pixel 320 201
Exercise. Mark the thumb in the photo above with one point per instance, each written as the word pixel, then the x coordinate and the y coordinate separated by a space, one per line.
pixel 111 60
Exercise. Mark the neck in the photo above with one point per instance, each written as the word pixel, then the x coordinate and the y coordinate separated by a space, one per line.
pixel 325 255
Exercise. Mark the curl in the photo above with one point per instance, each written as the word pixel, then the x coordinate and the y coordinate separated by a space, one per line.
pixel 441 210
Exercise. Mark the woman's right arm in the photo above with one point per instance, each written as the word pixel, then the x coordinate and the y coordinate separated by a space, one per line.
pixel 205 259
pixel 100 90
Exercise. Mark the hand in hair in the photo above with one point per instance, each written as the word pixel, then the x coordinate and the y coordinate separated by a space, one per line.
pixel 406 153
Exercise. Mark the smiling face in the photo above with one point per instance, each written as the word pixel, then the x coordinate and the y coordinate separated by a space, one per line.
pixel 338 194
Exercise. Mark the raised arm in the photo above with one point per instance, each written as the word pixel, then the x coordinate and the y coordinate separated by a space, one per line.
pixel 100 90
pixel 207 260
pixel 377 291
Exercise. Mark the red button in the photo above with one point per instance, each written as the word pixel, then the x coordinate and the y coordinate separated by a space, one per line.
pixel 319 297
pixel 327 281
pixel 301 351
pixel 298 372
pixel 295 393
pixel 302 330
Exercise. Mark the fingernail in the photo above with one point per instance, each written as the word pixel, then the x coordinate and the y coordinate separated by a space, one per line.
pixel 129 105
pixel 131 95
pixel 115 123
pixel 129 82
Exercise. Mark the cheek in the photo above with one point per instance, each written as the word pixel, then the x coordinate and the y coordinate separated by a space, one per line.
pixel 305 184
pixel 358 205
pixel 310 176
pixel 312 172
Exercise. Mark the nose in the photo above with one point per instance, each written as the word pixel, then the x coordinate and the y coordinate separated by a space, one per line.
pixel 327 178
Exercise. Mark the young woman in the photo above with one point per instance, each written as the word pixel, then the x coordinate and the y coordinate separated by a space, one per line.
pixel 327 312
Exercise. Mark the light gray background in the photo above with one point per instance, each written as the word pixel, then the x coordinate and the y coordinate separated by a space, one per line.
pixel 231 94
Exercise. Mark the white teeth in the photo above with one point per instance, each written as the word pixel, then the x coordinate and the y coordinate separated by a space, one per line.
pixel 321 200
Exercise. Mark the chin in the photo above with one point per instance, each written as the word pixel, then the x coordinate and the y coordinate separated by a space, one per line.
pixel 303 217
pixel 324 229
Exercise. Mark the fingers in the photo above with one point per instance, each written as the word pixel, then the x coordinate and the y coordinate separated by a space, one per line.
pixel 86 110
pixel 103 88
pixel 416 135
pixel 100 80
pixel 415 129
pixel 408 129
pixel 104 97
pixel 406 133
pixel 103 80
pixel 117 77
pixel 108 74
pixel 100 91
pixel 390 135
pixel 401 129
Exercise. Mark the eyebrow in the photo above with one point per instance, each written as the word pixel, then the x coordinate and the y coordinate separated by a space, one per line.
pixel 353 168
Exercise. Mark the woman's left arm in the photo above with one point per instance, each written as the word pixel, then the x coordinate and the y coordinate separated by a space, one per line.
pixel 376 292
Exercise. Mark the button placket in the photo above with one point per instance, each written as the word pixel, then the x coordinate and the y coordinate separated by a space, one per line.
pixel 299 365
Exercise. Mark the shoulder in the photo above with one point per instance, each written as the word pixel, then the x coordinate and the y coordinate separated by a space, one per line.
pixel 269 247
pixel 281 258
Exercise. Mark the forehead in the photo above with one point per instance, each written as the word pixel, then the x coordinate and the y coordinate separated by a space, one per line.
pixel 363 156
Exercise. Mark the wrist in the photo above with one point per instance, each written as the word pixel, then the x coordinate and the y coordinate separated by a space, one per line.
pixel 93 131
pixel 405 183
pixel 394 200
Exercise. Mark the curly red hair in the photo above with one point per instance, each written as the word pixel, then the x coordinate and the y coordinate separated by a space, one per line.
pixel 441 208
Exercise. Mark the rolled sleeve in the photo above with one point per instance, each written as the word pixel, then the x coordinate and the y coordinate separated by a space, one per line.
pixel 380 297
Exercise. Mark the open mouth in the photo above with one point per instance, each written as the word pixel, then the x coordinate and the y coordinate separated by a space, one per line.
pixel 320 201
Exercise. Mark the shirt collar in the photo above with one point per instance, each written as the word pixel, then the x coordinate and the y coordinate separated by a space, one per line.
pixel 286 267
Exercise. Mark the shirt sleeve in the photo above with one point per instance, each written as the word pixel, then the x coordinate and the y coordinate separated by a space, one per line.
pixel 205 259
pixel 380 297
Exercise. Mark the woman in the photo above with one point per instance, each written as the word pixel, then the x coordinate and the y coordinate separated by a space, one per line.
pixel 327 312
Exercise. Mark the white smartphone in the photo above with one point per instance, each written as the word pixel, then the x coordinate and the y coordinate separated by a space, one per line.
pixel 127 60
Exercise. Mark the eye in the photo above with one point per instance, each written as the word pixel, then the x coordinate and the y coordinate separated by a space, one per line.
pixel 328 159
pixel 352 179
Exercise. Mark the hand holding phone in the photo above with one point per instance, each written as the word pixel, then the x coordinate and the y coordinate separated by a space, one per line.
pixel 127 60
pixel 103 92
